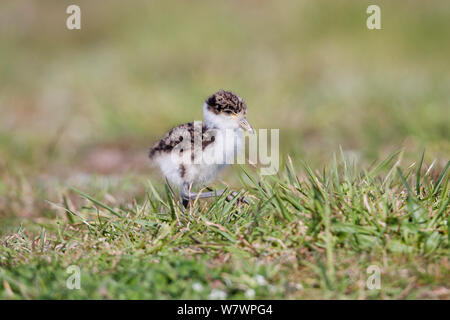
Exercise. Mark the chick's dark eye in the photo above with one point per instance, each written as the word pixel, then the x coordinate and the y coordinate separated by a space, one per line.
pixel 228 112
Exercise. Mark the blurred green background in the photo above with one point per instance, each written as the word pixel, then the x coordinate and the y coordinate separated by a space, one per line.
pixel 76 105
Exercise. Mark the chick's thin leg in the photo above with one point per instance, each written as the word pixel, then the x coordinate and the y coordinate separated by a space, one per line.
pixel 187 195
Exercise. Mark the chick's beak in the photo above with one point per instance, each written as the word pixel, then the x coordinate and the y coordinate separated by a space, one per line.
pixel 243 123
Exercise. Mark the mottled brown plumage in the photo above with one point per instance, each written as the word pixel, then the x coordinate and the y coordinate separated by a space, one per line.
pixel 178 134
pixel 226 102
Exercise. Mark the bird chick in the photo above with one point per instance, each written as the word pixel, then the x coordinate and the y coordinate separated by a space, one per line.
pixel 192 154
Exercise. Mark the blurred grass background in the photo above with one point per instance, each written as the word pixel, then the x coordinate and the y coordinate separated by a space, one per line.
pixel 79 105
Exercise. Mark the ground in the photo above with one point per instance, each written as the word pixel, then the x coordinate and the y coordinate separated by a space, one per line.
pixel 363 184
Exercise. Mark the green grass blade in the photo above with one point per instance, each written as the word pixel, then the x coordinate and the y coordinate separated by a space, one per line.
pixel 419 167
pixel 104 206
pixel 440 179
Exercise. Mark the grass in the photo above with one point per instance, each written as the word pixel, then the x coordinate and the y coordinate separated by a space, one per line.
pixel 79 110
pixel 306 234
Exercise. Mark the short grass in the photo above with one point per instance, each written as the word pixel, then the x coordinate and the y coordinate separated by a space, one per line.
pixel 306 234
